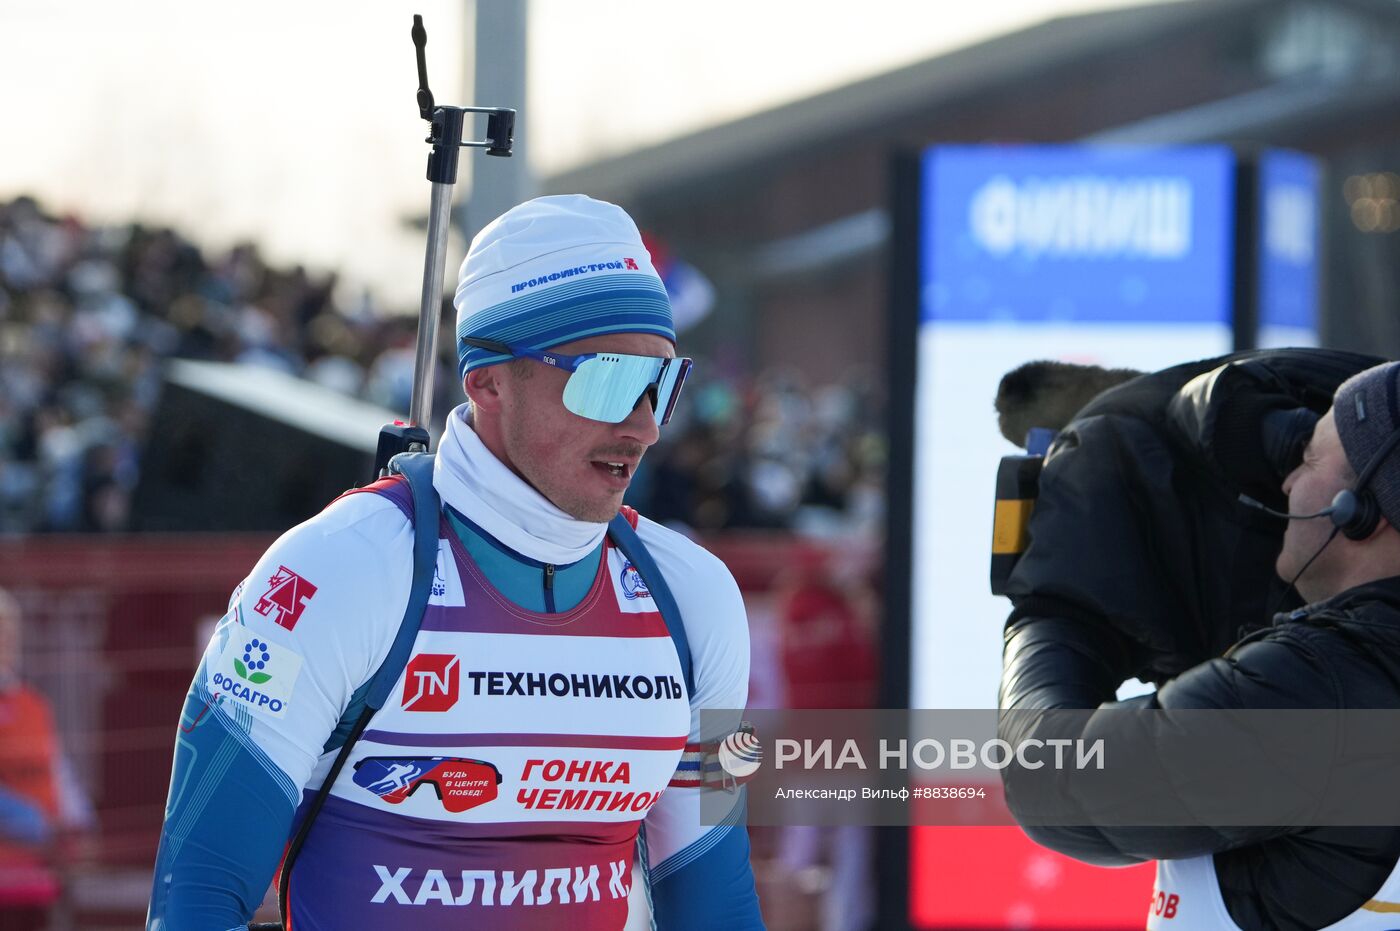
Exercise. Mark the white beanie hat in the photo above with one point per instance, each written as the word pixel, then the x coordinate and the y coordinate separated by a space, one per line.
pixel 553 270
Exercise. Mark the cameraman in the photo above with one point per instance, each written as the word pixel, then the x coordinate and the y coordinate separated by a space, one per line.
pixel 1066 647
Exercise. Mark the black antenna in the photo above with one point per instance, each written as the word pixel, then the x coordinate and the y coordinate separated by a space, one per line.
pixel 445 137
pixel 420 42
pixel 447 122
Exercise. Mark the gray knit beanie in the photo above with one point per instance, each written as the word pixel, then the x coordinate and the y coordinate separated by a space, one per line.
pixel 1367 410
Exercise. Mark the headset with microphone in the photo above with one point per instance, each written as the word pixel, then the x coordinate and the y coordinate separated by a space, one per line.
pixel 1354 511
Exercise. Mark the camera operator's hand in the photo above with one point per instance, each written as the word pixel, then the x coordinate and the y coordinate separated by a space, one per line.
pixel 1285 433
pixel 1247 423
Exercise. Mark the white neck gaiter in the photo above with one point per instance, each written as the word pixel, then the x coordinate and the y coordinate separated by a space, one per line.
pixel 470 478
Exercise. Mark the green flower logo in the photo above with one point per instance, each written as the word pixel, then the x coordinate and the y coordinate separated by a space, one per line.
pixel 255 657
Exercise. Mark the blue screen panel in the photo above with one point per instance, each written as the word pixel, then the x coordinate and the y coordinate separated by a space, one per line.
pixel 1077 234
pixel 1288 236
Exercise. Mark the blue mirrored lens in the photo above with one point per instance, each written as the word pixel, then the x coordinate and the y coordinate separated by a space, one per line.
pixel 608 386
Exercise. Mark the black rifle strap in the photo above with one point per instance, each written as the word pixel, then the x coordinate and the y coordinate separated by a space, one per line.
pixel 417 468
pixel 322 793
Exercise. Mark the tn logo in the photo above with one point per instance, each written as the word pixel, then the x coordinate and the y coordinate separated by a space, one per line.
pixel 431 682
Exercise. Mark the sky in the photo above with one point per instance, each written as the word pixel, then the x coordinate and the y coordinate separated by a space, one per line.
pixel 293 124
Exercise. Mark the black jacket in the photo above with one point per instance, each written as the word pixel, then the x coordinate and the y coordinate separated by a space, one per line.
pixel 1138 526
pixel 1142 562
pixel 1342 653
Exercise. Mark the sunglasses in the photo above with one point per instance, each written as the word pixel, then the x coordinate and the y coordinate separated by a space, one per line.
pixel 607 386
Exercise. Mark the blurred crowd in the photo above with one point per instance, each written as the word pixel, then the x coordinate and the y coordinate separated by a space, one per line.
pixel 769 452
pixel 88 313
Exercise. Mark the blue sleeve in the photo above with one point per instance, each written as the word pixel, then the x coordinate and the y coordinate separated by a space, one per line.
pixel 227 820
pixel 22 820
pixel 707 885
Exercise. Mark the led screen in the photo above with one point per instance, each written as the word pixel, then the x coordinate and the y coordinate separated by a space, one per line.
pixel 1122 257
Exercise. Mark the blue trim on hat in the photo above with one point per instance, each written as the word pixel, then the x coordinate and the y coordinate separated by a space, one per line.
pixel 568 312
pixel 523 304
pixel 592 310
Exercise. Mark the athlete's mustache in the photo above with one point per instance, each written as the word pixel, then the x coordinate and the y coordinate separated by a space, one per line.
pixel 628 452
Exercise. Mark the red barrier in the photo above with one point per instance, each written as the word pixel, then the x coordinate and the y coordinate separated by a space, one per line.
pixel 112 630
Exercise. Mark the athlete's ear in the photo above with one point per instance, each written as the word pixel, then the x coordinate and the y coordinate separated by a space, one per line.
pixel 484 386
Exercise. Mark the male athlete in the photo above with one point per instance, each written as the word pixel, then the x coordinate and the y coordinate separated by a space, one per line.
pixel 526 751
